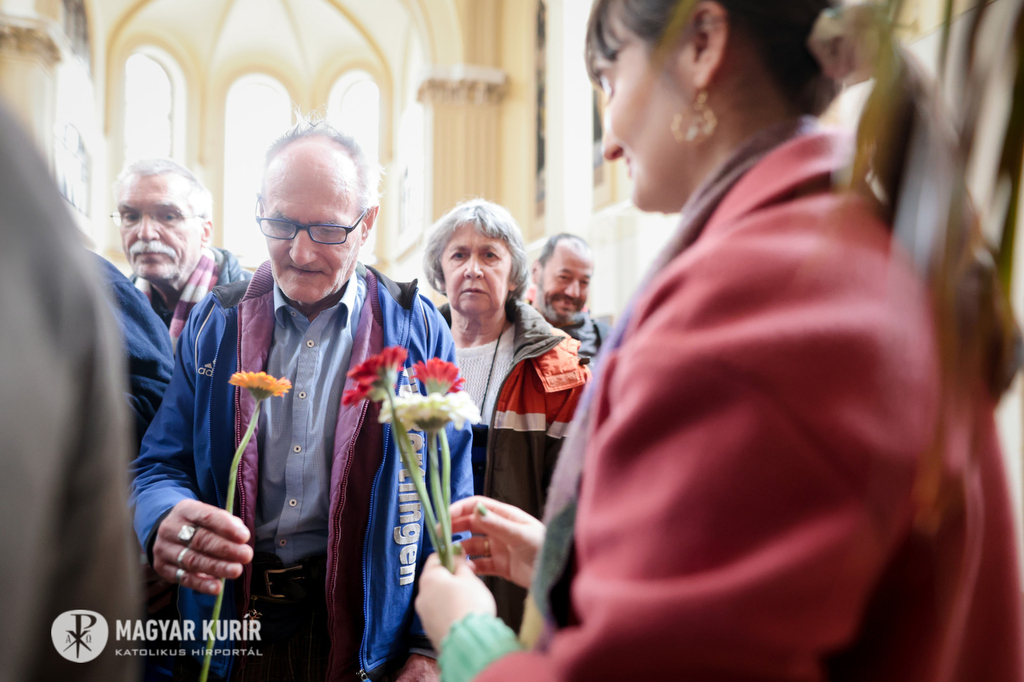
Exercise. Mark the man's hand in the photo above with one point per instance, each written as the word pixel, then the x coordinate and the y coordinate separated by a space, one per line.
pixel 217 549
pixel 505 539
pixel 446 598
pixel 419 669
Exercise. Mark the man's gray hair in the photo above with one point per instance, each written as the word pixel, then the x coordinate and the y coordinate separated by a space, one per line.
pixel 489 219
pixel 579 244
pixel 367 173
pixel 199 198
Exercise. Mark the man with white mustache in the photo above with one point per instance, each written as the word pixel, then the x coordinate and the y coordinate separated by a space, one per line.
pixel 164 213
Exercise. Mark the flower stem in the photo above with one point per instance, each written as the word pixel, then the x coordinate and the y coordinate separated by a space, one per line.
pixel 229 506
pixel 409 459
pixel 446 482
pixel 444 548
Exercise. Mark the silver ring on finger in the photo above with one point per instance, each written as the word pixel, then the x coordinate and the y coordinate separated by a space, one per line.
pixel 186 534
pixel 181 557
pixel 179 574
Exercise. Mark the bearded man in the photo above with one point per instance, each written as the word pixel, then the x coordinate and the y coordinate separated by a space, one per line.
pixel 562 277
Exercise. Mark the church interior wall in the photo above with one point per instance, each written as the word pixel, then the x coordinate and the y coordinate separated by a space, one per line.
pixel 464 136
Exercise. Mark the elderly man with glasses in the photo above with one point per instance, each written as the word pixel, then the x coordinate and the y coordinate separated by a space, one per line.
pixel 164 214
pixel 328 517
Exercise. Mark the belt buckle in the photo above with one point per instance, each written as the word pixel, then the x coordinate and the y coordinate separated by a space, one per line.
pixel 266 580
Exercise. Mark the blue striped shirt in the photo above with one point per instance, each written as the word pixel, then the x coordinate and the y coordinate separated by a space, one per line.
pixel 296 432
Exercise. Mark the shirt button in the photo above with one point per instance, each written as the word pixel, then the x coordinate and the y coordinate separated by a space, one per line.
pixel 297 448
pixel 292 502
pixel 310 343
pixel 302 395
pixel 293 313
pixel 283 543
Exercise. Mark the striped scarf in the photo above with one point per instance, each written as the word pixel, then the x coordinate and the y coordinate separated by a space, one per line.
pixel 200 282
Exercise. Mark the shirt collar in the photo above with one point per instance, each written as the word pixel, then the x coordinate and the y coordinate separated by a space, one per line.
pixel 283 310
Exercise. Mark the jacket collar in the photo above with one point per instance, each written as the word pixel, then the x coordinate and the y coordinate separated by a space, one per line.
pixel 803 165
pixel 534 336
pixel 262 283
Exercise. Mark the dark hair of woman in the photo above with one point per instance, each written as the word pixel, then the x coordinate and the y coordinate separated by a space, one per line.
pixel 779 29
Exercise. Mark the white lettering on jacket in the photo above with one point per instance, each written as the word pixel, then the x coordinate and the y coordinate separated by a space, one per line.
pixel 410 514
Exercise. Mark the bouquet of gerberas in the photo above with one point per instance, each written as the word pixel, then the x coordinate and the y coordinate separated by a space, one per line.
pixel 445 402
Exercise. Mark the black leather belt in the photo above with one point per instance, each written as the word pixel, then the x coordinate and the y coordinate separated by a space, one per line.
pixel 273 582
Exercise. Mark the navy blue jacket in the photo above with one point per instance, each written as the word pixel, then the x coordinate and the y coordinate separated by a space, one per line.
pixel 147 346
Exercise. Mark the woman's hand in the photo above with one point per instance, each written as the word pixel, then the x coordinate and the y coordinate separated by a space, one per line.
pixel 445 598
pixel 505 539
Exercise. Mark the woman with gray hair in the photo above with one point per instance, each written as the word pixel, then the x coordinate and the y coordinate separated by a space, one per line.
pixel 525 376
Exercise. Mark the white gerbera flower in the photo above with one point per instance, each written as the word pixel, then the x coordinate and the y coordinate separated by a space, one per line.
pixel 431 412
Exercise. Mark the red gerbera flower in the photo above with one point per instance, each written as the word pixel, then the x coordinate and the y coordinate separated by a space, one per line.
pixel 439 376
pixel 378 372
pixel 356 395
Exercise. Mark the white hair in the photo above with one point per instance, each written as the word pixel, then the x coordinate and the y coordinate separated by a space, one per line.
pixel 367 174
pixel 199 198
pixel 489 219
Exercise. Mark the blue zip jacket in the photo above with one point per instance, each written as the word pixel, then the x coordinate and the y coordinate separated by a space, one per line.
pixel 186 454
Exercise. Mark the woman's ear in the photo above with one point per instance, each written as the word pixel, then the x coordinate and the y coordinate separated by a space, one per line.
pixel 707 36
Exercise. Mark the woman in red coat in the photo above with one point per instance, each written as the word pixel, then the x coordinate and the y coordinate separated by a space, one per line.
pixel 741 496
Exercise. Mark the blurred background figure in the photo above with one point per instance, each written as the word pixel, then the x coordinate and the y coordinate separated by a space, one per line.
pixel 164 213
pixel 561 275
pixel 525 376
pixel 63 422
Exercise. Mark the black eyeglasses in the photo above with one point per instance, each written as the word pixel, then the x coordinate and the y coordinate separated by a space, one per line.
pixel 323 233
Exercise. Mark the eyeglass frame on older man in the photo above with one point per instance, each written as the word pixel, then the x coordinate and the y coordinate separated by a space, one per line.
pixel 299 227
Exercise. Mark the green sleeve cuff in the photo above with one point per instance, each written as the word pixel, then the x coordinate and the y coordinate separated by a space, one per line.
pixel 472 644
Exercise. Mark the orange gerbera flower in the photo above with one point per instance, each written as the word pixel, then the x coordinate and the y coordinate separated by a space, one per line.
pixel 260 384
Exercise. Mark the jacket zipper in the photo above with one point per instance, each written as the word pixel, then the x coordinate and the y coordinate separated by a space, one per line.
pixel 363 655
pixel 337 532
pixel 489 460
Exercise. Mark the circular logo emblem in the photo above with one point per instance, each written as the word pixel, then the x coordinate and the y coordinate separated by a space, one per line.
pixel 79 636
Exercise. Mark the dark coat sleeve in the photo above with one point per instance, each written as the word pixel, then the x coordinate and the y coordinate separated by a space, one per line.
pixel 147 347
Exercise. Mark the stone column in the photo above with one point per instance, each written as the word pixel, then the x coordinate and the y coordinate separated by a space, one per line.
pixel 463 132
pixel 30 49
pixel 569 171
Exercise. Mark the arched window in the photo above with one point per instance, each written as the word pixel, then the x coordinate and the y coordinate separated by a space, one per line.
pixel 148 108
pixel 411 145
pixel 71 166
pixel 154 106
pixel 353 107
pixel 259 110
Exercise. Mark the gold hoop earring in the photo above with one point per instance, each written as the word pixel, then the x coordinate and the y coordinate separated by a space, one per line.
pixel 677 127
pixel 704 120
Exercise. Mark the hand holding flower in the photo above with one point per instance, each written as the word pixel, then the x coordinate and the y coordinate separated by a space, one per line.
pixel 505 542
pixel 260 386
pixel 217 550
pixel 446 597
